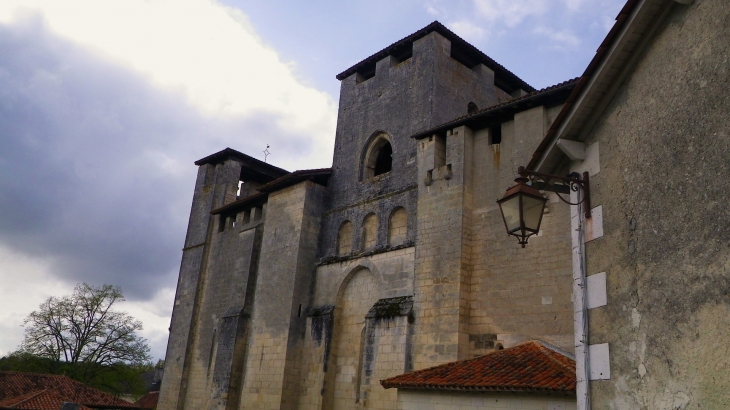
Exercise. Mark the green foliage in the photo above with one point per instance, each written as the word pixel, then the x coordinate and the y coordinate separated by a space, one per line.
pixel 120 378
pixel 82 337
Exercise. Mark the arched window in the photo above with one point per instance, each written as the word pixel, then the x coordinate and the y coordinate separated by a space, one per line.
pixel 471 108
pixel 378 157
pixel 344 239
pixel 369 231
pixel 397 227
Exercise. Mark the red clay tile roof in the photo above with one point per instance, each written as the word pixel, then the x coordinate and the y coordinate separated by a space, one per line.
pixel 527 367
pixel 48 392
pixel 36 400
pixel 149 400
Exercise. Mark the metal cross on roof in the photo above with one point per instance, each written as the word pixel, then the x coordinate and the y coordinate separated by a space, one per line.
pixel 266 152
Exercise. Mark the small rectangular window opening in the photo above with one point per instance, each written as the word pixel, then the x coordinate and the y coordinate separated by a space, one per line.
pixel 221 223
pixel 495 135
pixel 246 216
pixel 439 151
pixel 300 311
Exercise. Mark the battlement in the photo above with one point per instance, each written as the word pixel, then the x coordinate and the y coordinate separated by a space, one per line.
pixel 460 50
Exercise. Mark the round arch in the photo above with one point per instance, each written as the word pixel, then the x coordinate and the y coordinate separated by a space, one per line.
pixel 377 157
pixel 353 270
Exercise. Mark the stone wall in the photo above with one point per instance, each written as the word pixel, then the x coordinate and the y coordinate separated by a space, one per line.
pixel 476 288
pixel 515 293
pixel 664 144
pixel 187 354
pixel 347 353
pixel 272 375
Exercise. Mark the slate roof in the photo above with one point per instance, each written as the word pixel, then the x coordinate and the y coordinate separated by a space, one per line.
pixel 460 49
pixel 252 168
pixel 555 93
pixel 528 367
pixel 47 392
pixel 319 176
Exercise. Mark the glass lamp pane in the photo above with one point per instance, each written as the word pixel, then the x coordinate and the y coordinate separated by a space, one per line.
pixel 511 213
pixel 532 212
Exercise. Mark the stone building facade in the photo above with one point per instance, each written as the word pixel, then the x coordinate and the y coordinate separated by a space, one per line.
pixel 653 118
pixel 302 290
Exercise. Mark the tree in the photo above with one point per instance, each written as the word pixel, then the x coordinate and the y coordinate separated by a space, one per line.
pixel 82 328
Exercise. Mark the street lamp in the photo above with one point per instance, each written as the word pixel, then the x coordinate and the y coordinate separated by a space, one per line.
pixel 522 206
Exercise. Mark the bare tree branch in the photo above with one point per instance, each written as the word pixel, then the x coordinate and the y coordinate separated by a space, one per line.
pixel 83 328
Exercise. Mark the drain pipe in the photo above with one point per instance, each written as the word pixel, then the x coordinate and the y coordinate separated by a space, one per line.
pixel 580 310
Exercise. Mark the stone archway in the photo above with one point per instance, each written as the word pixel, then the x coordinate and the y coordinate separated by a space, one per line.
pixel 357 295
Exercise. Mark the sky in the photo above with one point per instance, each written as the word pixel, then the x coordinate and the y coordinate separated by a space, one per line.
pixel 105 105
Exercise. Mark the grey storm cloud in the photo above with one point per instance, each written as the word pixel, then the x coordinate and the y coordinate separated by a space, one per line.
pixel 84 183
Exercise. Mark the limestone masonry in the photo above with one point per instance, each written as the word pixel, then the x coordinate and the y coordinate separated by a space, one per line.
pixel 303 290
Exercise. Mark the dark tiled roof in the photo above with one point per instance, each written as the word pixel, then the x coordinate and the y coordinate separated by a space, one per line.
pixel 558 92
pixel 149 400
pixel 460 49
pixel 319 176
pixel 253 168
pixel 48 392
pixel 527 367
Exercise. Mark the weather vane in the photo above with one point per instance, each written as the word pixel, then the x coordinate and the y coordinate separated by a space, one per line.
pixel 266 152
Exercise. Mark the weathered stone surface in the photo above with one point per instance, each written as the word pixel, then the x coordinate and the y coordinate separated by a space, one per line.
pixel 664 157
pixel 280 308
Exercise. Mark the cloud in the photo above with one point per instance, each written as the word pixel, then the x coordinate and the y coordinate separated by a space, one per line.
pixel 207 51
pixel 26 283
pixel 98 144
pixel 467 30
pixel 562 38
pixel 510 12
pixel 573 5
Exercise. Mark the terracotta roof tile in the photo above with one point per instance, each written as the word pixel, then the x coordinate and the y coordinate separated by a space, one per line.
pixel 47 391
pixel 149 400
pixel 527 367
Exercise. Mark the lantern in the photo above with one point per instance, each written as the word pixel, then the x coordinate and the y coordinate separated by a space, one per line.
pixel 522 207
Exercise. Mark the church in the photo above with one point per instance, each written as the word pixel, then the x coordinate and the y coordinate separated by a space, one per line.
pixel 388 280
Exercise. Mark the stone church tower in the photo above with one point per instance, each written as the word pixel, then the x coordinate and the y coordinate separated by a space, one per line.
pixel 301 290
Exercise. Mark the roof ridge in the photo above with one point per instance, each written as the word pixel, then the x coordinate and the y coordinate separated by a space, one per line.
pixel 567 83
pixel 30 395
pixel 549 353
pixel 446 32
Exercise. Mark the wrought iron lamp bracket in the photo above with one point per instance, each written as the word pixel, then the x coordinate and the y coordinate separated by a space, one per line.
pixel 558 184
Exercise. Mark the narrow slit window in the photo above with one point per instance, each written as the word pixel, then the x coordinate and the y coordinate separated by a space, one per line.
pixel 495 135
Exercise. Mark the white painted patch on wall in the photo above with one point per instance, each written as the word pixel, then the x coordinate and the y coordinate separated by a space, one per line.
pixel 635 317
pixel 594 224
pixel 596 291
pixel 590 163
pixel 547 300
pixel 600 367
